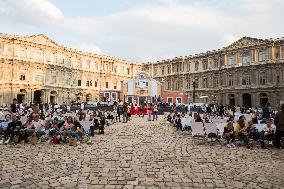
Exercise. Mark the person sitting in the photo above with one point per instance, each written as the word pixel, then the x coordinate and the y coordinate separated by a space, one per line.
pixel 79 130
pixel 39 126
pixel 102 124
pixel 252 131
pixel 198 118
pixel 241 131
pixel 178 123
pixel 269 131
pixel 229 134
pixel 94 126
pixel 13 129
pixel 68 129
pixel 4 125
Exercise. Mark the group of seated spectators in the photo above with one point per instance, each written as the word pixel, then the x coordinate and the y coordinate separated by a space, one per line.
pixel 241 129
pixel 52 127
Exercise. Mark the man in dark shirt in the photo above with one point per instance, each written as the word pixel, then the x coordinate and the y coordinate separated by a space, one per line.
pixel 279 123
pixel 14 106
pixel 13 129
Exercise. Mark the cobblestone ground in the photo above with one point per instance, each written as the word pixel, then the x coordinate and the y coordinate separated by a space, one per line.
pixel 140 154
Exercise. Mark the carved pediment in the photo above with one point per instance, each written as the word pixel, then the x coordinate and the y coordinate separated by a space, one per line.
pixel 245 42
pixel 41 39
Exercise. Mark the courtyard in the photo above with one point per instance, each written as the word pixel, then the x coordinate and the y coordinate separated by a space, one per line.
pixel 140 154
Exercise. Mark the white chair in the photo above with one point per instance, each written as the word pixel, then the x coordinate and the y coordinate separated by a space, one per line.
pixel 24 119
pixel 198 131
pixel 259 127
pixel 86 124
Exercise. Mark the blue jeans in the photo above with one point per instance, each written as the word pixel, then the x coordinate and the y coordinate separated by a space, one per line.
pixel 155 116
pixel 244 138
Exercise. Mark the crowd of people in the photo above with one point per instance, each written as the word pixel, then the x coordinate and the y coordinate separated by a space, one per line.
pixel 57 124
pixel 237 125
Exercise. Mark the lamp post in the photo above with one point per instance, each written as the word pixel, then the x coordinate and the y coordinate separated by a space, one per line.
pixel 193 91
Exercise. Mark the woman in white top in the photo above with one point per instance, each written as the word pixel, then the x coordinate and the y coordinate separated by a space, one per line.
pixel 269 130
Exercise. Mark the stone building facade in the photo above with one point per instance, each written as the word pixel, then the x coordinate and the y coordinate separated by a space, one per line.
pixel 249 72
pixel 35 68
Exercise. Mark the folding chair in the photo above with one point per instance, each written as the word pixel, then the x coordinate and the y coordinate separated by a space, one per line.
pixel 198 131
pixel 211 131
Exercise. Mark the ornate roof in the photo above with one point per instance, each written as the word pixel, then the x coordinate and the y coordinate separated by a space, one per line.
pixel 40 39
pixel 245 42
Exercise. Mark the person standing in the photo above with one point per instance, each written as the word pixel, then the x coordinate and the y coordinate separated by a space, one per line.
pixel 279 123
pixel 155 113
pixel 14 106
pixel 125 112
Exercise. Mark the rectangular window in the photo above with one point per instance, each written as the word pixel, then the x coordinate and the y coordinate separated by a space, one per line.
pixel 163 70
pixel 246 58
pixel 205 83
pixel 169 69
pixel 230 80
pixel 215 81
pixel 114 87
pixel 196 66
pixel 261 56
pixel 79 82
pixel 216 63
pixel 107 85
pixel 96 84
pixel 188 67
pixel 128 71
pixel 1 49
pixel 23 74
pixel 262 78
pixel 88 65
pixel 53 77
pixel 89 83
pixel 205 65
pixel 170 100
pixel 24 53
pixel 246 79
pixel 188 83
pixel 231 60
pixel 39 55
pixel 22 77
pixel 38 76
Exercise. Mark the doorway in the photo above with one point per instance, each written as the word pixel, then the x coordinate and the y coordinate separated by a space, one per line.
pixel 37 96
pixel 246 100
pixel 263 99
pixel 20 98
pixel 232 100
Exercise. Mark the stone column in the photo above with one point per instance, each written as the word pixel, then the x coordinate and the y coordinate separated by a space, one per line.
pixel 256 55
pixel 273 52
pixel 226 59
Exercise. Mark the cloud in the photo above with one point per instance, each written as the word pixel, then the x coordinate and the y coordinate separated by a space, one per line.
pixel 32 11
pixel 156 30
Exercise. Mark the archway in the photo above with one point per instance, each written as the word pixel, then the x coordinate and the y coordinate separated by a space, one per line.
pixel 232 99
pixel 263 99
pixel 247 100
pixel 52 97
pixel 37 96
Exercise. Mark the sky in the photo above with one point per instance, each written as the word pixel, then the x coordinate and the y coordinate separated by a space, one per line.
pixel 144 30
